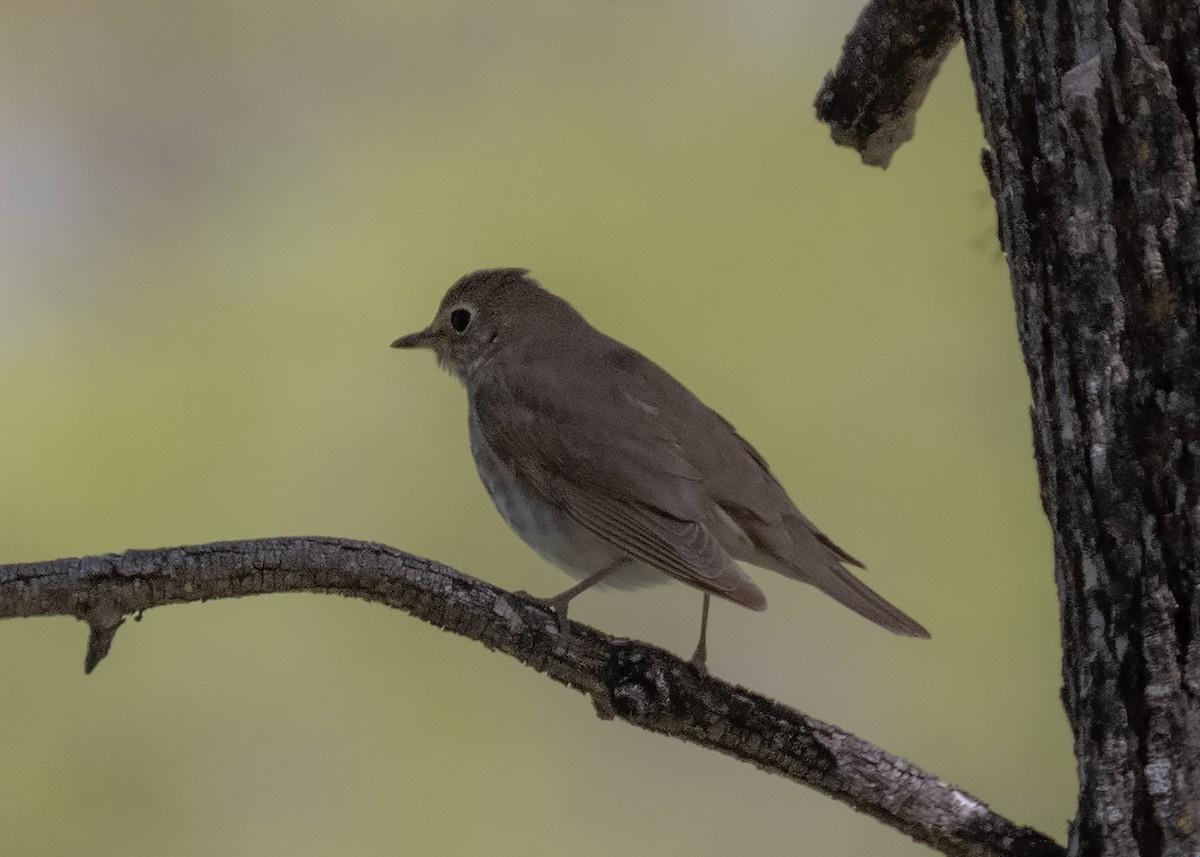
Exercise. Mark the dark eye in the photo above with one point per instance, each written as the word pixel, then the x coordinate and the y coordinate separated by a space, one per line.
pixel 460 318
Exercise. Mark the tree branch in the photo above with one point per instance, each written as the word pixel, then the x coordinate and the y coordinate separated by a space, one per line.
pixel 890 58
pixel 638 683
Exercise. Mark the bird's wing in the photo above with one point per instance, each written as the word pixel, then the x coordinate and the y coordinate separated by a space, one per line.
pixel 603 458
pixel 686 550
pixel 739 482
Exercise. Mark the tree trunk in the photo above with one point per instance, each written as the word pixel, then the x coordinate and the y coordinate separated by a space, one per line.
pixel 1090 111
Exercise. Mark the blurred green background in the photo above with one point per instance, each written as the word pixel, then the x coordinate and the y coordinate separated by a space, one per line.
pixel 216 216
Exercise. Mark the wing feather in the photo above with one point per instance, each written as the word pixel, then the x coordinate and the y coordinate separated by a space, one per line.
pixel 614 468
pixel 686 550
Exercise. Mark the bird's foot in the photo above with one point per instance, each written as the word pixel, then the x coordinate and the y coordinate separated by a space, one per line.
pixel 558 606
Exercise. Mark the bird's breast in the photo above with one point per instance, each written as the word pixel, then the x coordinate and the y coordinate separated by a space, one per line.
pixel 557 538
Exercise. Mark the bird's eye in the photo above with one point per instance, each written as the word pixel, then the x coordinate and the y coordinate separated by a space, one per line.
pixel 459 319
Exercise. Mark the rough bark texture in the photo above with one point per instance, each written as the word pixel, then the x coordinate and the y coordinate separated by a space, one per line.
pixel 889 60
pixel 1090 112
pixel 635 682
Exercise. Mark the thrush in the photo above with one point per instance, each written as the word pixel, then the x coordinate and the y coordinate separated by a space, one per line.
pixel 613 470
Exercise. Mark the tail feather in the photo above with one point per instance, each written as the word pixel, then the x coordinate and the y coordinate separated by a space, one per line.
pixel 795 548
pixel 840 584
pixel 802 552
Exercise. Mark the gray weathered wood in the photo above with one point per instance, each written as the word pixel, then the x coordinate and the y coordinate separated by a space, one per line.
pixel 632 681
pixel 888 63
pixel 1090 110
pixel 1091 113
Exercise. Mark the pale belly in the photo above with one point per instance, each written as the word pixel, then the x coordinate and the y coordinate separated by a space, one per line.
pixel 557 538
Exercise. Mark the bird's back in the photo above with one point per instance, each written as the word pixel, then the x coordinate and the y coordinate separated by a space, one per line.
pixel 747 509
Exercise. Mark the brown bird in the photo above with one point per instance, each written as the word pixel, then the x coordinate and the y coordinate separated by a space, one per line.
pixel 614 471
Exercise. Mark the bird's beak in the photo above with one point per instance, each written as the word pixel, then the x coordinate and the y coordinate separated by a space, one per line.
pixel 420 339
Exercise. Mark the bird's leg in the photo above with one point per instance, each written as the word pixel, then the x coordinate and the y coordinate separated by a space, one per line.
pixel 701 654
pixel 558 603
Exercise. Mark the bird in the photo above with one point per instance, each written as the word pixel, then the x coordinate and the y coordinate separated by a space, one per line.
pixel 613 470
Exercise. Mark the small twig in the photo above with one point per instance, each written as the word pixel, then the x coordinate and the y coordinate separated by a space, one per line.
pixel 890 58
pixel 103 619
pixel 635 682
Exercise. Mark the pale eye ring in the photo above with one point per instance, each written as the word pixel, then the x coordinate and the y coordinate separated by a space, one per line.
pixel 460 319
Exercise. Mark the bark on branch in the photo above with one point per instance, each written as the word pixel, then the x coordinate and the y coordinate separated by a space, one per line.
pixel 632 681
pixel 888 63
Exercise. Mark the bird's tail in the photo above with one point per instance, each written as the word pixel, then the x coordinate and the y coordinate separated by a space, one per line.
pixel 808 555
pixel 838 583
pixel 797 549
